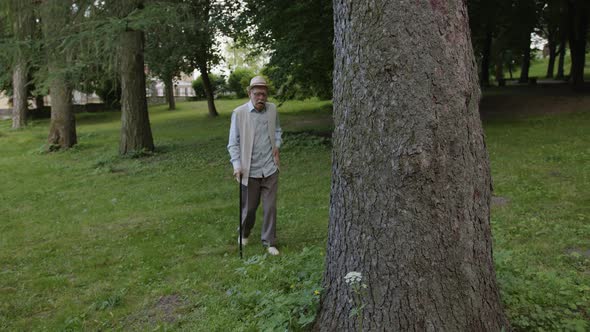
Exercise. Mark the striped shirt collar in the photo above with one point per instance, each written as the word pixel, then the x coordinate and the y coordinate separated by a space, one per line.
pixel 253 109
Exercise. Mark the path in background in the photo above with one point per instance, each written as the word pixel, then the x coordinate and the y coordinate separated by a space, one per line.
pixel 526 100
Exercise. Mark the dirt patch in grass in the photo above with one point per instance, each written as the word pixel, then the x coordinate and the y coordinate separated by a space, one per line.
pixel 167 309
pixel 579 251
pixel 316 122
pixel 500 201
pixel 533 100
pixel 167 306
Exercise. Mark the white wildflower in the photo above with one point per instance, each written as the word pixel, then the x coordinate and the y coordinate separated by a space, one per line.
pixel 353 278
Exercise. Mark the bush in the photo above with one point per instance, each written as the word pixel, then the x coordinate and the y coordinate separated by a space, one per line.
pixel 109 91
pixel 217 82
pixel 239 80
pixel 279 294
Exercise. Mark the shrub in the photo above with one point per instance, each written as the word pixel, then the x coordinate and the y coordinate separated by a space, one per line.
pixel 217 82
pixel 239 80
pixel 109 91
pixel 279 294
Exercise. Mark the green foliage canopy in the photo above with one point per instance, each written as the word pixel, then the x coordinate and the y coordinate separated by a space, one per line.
pixel 299 35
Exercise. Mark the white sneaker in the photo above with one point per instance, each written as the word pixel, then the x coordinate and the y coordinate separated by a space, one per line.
pixel 272 250
pixel 244 241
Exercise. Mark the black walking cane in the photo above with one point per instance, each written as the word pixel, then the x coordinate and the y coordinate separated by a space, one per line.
pixel 240 221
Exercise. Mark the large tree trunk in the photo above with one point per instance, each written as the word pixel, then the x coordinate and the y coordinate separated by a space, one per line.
pixel 526 63
pixel 578 32
pixel 62 130
pixel 169 93
pixel 136 133
pixel 19 96
pixel 411 187
pixel 208 92
pixel 485 61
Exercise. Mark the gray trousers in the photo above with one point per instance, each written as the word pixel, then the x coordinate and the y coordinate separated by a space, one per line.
pixel 265 189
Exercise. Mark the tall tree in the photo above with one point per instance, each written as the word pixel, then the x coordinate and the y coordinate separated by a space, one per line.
pixel 411 186
pixel 136 133
pixel 21 14
pixel 550 29
pixel 579 11
pixel 562 46
pixel 204 50
pixel 526 15
pixel 55 16
pixel 490 23
pixel 525 65
pixel 485 17
pixel 166 45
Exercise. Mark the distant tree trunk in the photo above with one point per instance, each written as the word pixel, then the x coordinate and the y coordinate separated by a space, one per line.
pixel 203 56
pixel 485 61
pixel 552 53
pixel 136 133
pixel 563 36
pixel 578 32
pixel 169 92
pixel 208 91
pixel 500 73
pixel 62 129
pixel 21 12
pixel 561 62
pixel 19 97
pixel 526 63
pixel 39 102
pixel 411 186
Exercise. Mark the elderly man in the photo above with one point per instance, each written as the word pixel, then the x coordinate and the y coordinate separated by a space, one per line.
pixel 254 141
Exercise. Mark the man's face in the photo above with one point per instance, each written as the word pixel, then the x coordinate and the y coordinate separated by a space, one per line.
pixel 258 96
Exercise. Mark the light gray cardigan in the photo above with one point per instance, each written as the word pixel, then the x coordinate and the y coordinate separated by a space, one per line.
pixel 246 130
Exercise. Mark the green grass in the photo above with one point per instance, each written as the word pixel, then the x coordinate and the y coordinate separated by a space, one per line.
pixel 541 165
pixel 92 241
pixel 538 68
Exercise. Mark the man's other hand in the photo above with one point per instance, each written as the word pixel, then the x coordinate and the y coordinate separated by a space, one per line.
pixel 238 174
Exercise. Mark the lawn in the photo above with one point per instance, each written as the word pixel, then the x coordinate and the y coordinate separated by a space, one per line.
pixel 538 68
pixel 93 241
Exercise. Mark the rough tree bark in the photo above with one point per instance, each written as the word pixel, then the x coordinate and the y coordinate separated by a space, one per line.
pixel 62 129
pixel 22 25
pixel 136 133
pixel 411 186
pixel 169 92
pixel 19 96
